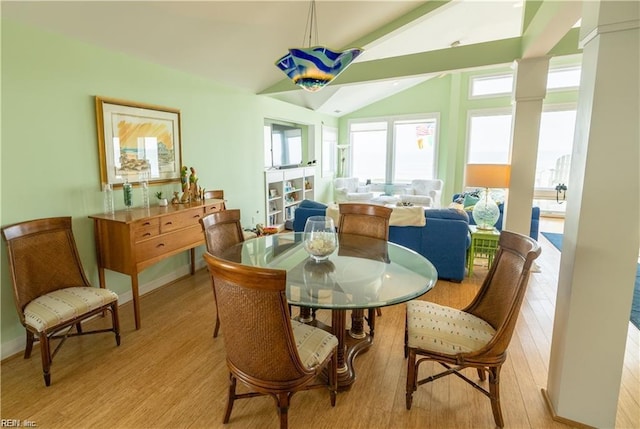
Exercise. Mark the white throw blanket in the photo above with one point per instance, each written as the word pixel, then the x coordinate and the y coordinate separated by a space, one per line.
pixel 400 216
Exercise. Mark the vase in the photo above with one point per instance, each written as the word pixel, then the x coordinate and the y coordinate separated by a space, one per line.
pixel 320 238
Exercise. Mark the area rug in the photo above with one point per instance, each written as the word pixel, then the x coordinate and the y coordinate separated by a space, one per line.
pixel 556 240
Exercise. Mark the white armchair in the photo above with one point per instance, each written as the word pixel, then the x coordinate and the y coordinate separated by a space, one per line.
pixel 349 189
pixel 424 192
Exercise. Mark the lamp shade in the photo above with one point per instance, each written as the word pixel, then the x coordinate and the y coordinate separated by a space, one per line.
pixel 488 175
pixel 313 68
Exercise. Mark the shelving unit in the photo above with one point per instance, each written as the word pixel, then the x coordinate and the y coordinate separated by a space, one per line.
pixel 284 190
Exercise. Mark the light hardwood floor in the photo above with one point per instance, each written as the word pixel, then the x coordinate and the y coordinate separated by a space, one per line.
pixel 172 373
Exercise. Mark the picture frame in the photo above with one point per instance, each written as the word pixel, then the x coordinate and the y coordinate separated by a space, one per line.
pixel 137 142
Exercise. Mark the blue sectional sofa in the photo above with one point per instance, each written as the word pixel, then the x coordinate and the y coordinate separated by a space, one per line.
pixel 444 239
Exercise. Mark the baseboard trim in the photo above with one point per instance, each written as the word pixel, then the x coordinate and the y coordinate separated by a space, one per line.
pixel 557 418
pixel 17 345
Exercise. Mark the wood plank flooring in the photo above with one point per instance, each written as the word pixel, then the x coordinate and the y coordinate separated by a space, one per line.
pixel 172 373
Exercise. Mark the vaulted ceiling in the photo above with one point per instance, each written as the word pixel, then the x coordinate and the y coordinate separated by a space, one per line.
pixel 236 43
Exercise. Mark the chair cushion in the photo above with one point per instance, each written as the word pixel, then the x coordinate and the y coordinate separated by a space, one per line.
pixel 314 344
pixel 446 330
pixel 65 304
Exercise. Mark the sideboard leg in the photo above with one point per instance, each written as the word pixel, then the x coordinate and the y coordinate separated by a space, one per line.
pixel 136 299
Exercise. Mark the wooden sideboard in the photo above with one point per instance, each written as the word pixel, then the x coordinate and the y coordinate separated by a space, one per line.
pixel 128 241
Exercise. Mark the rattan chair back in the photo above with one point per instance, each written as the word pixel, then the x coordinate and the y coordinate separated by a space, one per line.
pixel 500 297
pixel 222 230
pixel 370 220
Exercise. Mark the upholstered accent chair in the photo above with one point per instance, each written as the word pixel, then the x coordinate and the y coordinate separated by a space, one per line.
pixel 266 350
pixel 221 230
pixel 478 335
pixel 51 291
pixel 424 192
pixel 369 220
pixel 349 189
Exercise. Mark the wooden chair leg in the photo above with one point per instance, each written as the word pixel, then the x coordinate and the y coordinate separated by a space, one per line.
pixel 378 311
pixel 79 327
pixel 46 358
pixel 481 375
pixel 29 346
pixel 412 373
pixel 217 327
pixel 230 398
pixel 115 320
pixel 283 409
pixel 494 395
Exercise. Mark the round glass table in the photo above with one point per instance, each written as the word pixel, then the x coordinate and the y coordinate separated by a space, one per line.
pixel 362 273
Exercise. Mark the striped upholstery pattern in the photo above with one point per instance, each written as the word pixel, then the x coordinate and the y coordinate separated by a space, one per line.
pixel 314 344
pixel 63 305
pixel 447 330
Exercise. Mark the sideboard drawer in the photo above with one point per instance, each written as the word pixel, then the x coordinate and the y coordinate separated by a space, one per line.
pixel 181 220
pixel 167 243
pixel 146 228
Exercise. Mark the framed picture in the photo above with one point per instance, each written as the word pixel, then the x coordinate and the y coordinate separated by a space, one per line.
pixel 137 141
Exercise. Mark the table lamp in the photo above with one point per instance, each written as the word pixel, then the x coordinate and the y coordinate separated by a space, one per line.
pixel 486 212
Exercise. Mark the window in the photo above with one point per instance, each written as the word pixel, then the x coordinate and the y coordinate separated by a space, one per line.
pixel 394 150
pixel 558 78
pixel 555 145
pixel 489 140
pixel 564 78
pixel 491 85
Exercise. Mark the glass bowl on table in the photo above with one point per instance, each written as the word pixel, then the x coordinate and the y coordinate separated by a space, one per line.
pixel 320 238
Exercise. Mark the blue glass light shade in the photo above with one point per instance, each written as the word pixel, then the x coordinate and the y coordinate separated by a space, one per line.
pixel 313 68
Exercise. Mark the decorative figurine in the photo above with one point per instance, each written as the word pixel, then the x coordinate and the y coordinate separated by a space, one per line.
pixel 176 198
pixel 193 185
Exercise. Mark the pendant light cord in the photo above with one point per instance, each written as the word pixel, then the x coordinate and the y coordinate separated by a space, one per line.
pixel 312 24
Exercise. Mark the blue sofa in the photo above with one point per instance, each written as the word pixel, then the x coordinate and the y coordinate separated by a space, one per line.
pixel 535 219
pixel 444 239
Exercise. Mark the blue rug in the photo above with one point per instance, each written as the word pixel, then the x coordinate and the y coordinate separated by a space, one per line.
pixel 556 240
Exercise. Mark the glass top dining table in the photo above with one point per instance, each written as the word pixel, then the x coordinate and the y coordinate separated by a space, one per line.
pixel 362 273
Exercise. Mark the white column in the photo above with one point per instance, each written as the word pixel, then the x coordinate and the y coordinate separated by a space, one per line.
pixel 530 88
pixel 600 244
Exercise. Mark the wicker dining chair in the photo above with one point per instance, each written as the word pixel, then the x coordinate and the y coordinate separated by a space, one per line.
pixel 266 350
pixel 221 230
pixel 370 220
pixel 478 335
pixel 217 194
pixel 50 288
